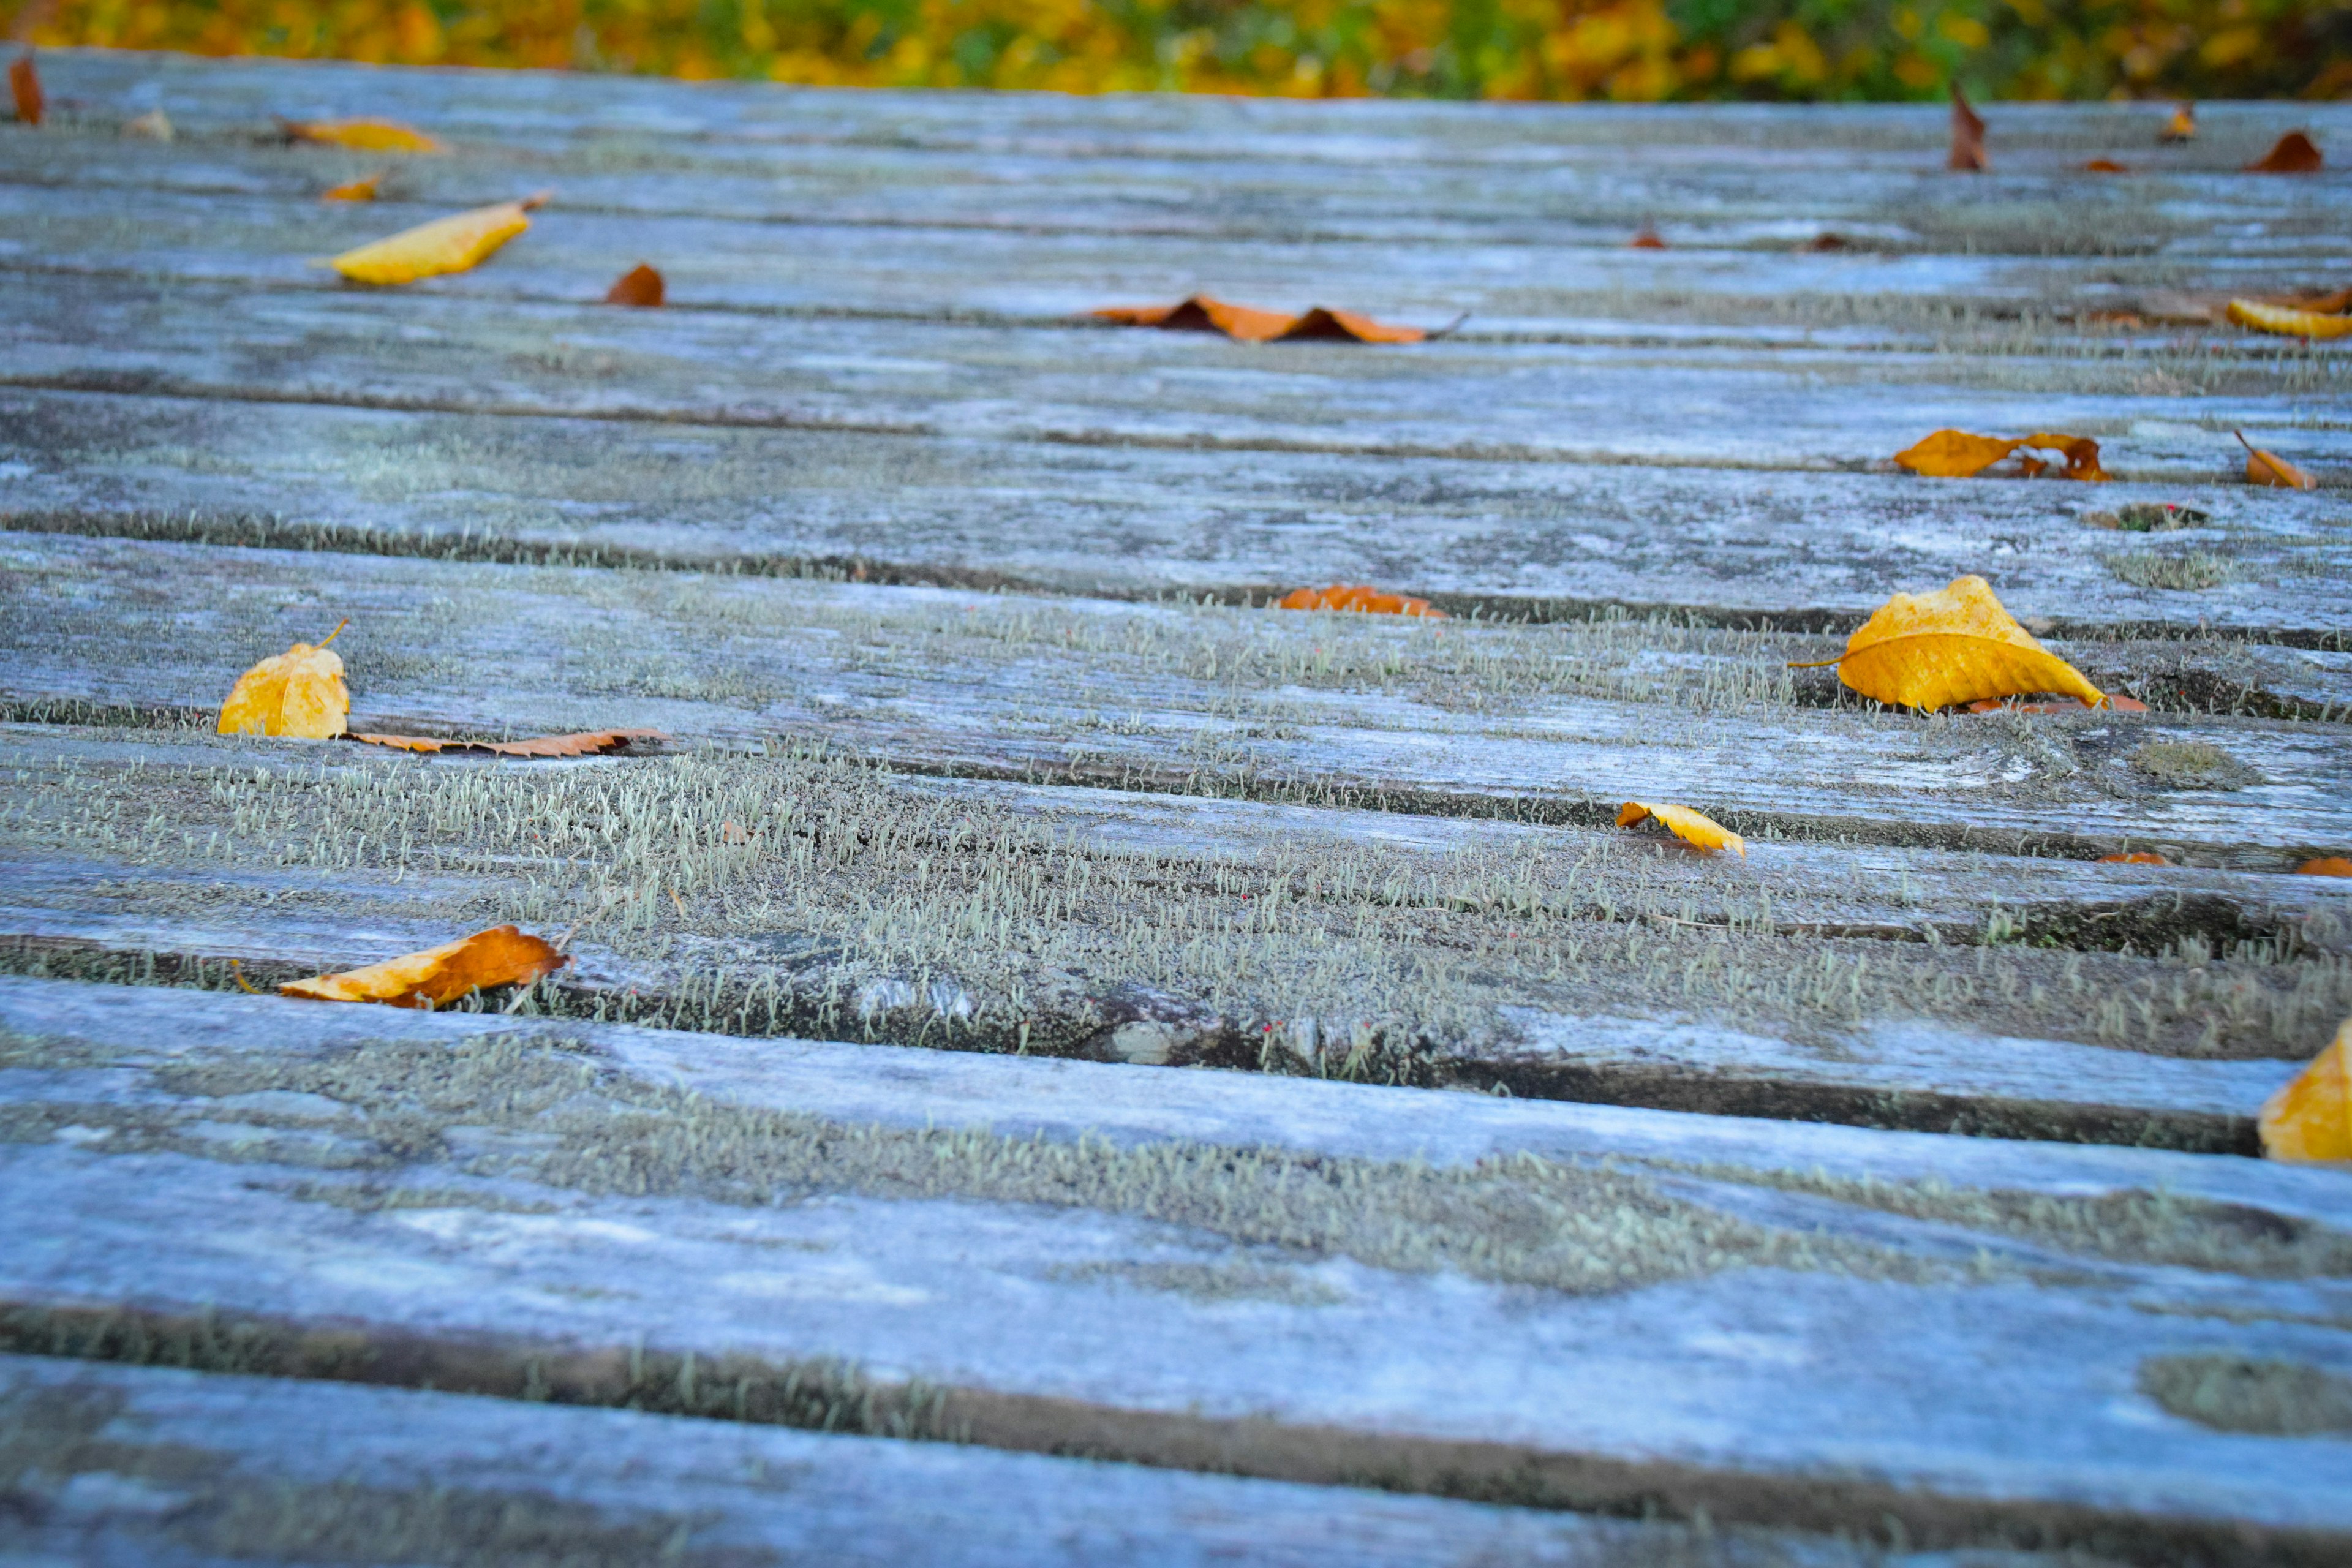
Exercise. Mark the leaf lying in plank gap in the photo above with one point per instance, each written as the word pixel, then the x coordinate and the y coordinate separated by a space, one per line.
pixel 25 87
pixel 1646 238
pixel 1934 650
pixel 2136 857
pixel 361 135
pixel 299 692
pixel 501 955
pixel 1956 455
pixel 1967 136
pixel 1686 825
pixel 1828 239
pixel 2182 126
pixel 359 190
pixel 2105 166
pixel 2267 468
pixel 640 286
pixel 2288 322
pixel 584 743
pixel 454 244
pixel 2293 154
pixel 1247 324
pixel 2310 1118
pixel 1358 596
pixel 2326 866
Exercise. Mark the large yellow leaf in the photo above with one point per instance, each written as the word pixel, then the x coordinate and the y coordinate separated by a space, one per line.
pixel 298 692
pixel 361 135
pixel 2310 1118
pixel 501 955
pixel 445 245
pixel 2288 322
pixel 1690 827
pixel 1956 455
pixel 1932 650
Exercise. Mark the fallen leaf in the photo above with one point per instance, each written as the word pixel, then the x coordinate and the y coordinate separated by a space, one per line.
pixel 2182 126
pixel 2149 517
pixel 2310 1117
pixel 1937 651
pixel 641 285
pixel 2105 166
pixel 2293 153
pixel 1956 455
pixel 445 245
pixel 2268 469
pixel 154 126
pixel 2288 322
pixel 359 190
pixel 2136 857
pixel 2010 705
pixel 1646 238
pixel 361 135
pixel 2326 866
pixel 1686 825
pixel 1828 240
pixel 501 955
pixel 25 87
pixel 584 743
pixel 1247 324
pixel 1358 596
pixel 1967 136
pixel 299 692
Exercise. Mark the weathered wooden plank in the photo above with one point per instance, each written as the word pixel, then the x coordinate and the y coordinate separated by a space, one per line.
pixel 1815 1360
pixel 179 1470
pixel 1272 938
pixel 1548 541
pixel 1558 722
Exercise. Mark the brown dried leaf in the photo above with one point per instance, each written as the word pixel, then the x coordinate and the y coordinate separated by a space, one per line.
pixel 2105 166
pixel 640 286
pixel 1967 136
pixel 25 87
pixel 2136 857
pixel 438 977
pixel 583 743
pixel 2293 154
pixel 152 126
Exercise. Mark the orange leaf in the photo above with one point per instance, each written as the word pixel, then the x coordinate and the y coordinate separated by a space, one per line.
pixel 1967 136
pixel 454 244
pixel 2326 866
pixel 1358 596
pixel 440 975
pixel 2288 322
pixel 2136 857
pixel 2182 126
pixel 2105 166
pixel 25 87
pixel 359 190
pixel 2267 468
pixel 2310 1118
pixel 1646 239
pixel 585 743
pixel 2293 153
pixel 1686 825
pixel 1934 650
pixel 361 135
pixel 641 285
pixel 1956 455
pixel 299 692
pixel 1247 324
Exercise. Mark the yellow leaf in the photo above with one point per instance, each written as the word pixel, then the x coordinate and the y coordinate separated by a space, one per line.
pixel 359 190
pixel 2269 468
pixel 2182 126
pixel 445 245
pixel 1361 597
pixel 2310 1118
pixel 1686 825
pixel 1932 650
pixel 298 692
pixel 2288 322
pixel 501 955
pixel 361 135
pixel 1956 455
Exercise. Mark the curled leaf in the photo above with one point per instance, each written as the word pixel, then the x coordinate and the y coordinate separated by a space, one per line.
pixel 298 692
pixel 641 285
pixel 359 190
pixel 2326 866
pixel 583 743
pixel 25 87
pixel 152 126
pixel 2288 322
pixel 1934 650
pixel 2136 857
pixel 1361 597
pixel 2267 468
pixel 2310 1117
pixel 501 955
pixel 1967 136
pixel 1958 455
pixel 1690 827
pixel 2182 126
pixel 2293 154
pixel 1247 324
pixel 361 135
pixel 454 244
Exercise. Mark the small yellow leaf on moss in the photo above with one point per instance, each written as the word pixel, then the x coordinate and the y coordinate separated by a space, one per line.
pixel 361 135
pixel 299 692
pixel 2310 1118
pixel 1934 650
pixel 501 955
pixel 2288 322
pixel 454 244
pixel 1690 827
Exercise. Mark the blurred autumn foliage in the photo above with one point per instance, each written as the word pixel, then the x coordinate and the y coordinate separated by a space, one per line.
pixel 1447 48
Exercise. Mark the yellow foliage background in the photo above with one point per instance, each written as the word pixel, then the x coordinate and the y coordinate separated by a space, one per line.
pixel 1627 49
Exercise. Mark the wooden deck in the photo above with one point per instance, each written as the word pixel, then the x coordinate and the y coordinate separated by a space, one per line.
pixel 1061 1062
